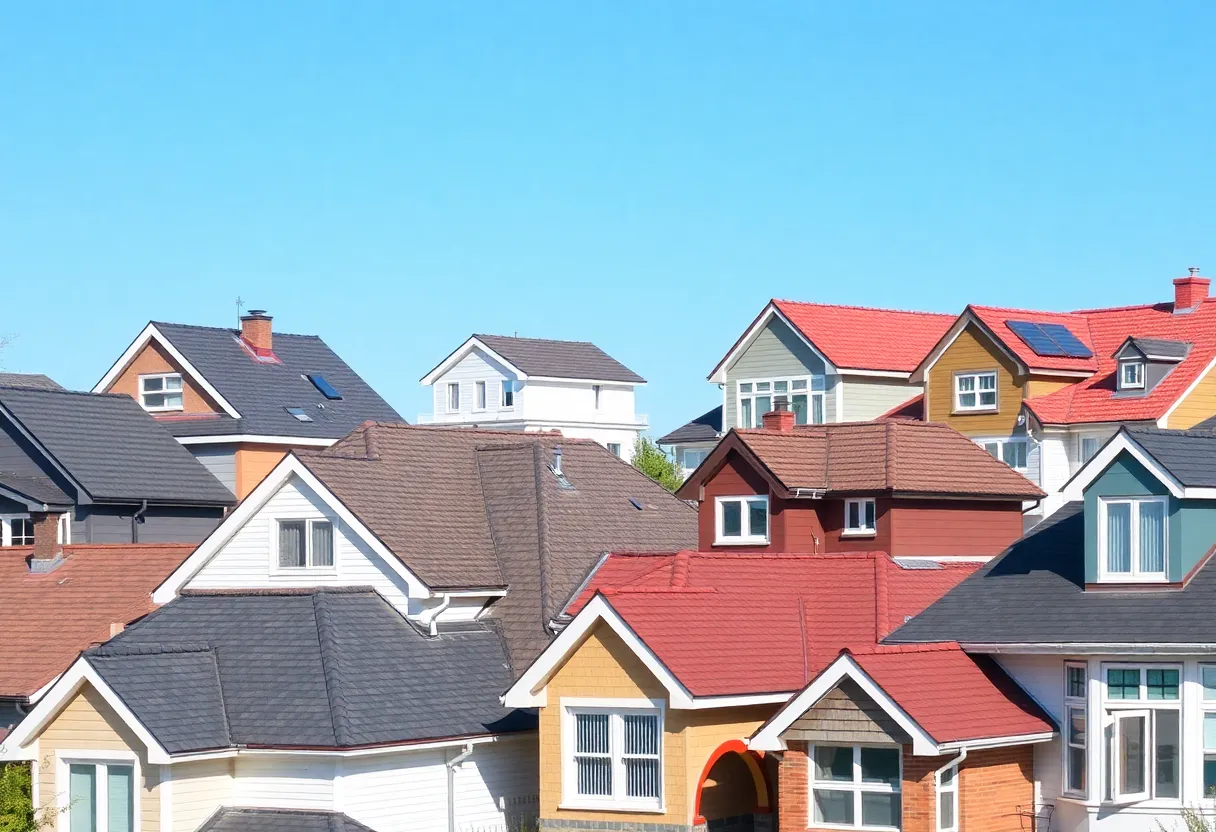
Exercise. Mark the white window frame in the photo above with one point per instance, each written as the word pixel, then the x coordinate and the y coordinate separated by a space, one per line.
pixel 66 758
pixel 614 448
pixel 857 787
pixel 308 568
pixel 164 377
pixel 507 388
pixel 450 388
pixel 1136 575
pixel 1116 710
pixel 1097 446
pixel 597 391
pixel 943 788
pixel 811 396
pixel 1001 442
pixel 1137 368
pixel 860 531
pixel 616 709
pixel 1072 703
pixel 979 406
pixel 1206 706
pixel 703 453
pixel 6 528
pixel 746 537
pixel 479 396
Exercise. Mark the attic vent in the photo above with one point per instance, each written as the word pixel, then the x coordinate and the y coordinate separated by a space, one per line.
pixel 636 503
pixel 299 414
pixel 327 389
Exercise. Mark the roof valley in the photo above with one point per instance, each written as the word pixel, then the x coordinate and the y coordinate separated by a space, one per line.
pixel 331 669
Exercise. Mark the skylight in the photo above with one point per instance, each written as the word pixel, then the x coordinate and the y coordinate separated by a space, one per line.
pixel 327 389
pixel 1050 339
pixel 299 414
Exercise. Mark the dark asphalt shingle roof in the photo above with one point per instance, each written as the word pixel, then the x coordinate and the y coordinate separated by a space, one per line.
pixel 560 359
pixel 326 668
pixel 112 447
pixel 1190 455
pixel 262 392
pixel 705 428
pixel 234 819
pixel 1034 593
pixel 37 489
pixel 37 381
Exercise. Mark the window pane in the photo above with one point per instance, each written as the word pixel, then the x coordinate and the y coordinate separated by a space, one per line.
pixel 152 385
pixel 993 448
pixel 594 776
pixel 948 776
pixel 120 798
pixel 945 805
pixel 641 778
pixel 641 734
pixel 173 383
pixel 1209 732
pixel 291 543
pixel 966 383
pixel 732 518
pixel 1152 537
pixel 757 518
pixel 1076 726
pixel 1014 454
pixel 1089 447
pixel 880 765
pixel 763 405
pixel 870 507
pixel 798 385
pixel 987 382
pixel 817 409
pixel 591 733
pixel 1209 682
pixel 798 405
pixel 173 400
pixel 762 386
pixel 819 383
pixel 154 400
pixel 854 519
pixel 1076 769
pixel 1076 681
pixel 1209 776
pixel 1162 684
pixel 82 792
pixel 745 387
pixel 966 400
pixel 1131 754
pixel 1165 739
pixel 879 809
pixel 834 763
pixel 508 393
pixel 1118 538
pixel 453 397
pixel 481 395
pixel 831 806
pixel 781 387
pixel 1122 684
pixel 988 398
pixel 745 413
pixel 322 544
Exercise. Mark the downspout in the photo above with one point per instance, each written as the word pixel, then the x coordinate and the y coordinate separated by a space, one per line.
pixel 432 619
pixel 937 785
pixel 135 521
pixel 452 765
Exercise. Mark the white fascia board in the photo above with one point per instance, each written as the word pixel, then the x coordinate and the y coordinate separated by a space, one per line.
pixel 847 371
pixel 231 439
pixel 771 311
pixel 249 508
pixel 1092 649
pixel 74 678
pixel 151 332
pixel 997 742
pixel 460 352
pixel 379 750
pixel 1165 417
pixel 600 381
pixel 529 690
pixel 768 738
pixel 1122 441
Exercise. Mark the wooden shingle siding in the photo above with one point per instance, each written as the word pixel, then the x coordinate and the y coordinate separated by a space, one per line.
pixel 1196 406
pixel 973 351
pixel 867 399
pixel 776 352
pixel 846 715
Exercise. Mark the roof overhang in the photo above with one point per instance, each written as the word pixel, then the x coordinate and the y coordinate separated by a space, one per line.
pixel 473 343
pixel 31 503
pixel 290 466
pixel 150 333
pixel 718 374
pixel 692 486
pixel 529 691
pixel 956 329
pixel 259 439
pixel 19 744
pixel 1093 648
pixel 82 494
pixel 1123 442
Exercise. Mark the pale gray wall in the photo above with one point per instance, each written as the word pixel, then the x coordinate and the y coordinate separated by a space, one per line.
pixel 777 351
pixel 220 460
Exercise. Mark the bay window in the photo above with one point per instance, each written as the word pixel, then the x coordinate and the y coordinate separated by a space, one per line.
pixel 1143 732
pixel 805 397
pixel 614 758
pixel 975 391
pixel 1076 728
pixel 100 796
pixel 1132 538
pixel 856 785
pixel 741 520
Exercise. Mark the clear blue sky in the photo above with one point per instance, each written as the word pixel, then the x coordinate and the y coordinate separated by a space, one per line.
pixel 395 176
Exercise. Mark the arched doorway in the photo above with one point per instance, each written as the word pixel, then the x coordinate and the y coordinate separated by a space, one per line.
pixel 733 794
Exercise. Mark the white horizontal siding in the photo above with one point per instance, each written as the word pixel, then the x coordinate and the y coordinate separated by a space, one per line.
pixel 474 367
pixel 247 560
pixel 397 792
pixel 497 787
pixel 284 783
pixel 197 790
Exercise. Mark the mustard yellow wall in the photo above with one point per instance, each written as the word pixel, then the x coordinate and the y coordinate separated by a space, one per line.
pixel 253 463
pixel 1197 405
pixel 974 351
pixel 604 668
pixel 1043 386
pixel 88 723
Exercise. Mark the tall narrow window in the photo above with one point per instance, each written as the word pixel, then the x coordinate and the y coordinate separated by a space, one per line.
pixel 597 390
pixel 1075 729
pixel 1132 538
pixel 162 391
pixel 479 389
pixel 508 393
pixel 947 800
pixel 453 397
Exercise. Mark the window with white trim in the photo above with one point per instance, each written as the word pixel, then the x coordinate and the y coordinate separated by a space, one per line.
pixel 616 758
pixel 1207 676
pixel 757 397
pixel 17 530
pixel 305 544
pixel 1142 706
pixel 1010 450
pixel 1076 728
pixel 947 800
pixel 614 448
pixel 1089 448
pixel 101 797
pixel 856 786
pixel 1132 538
pixel 453 397
pixel 690 458
pixel 1131 375
pixel 162 391
pixel 597 390
pixel 860 517
pixel 479 395
pixel 975 391
pixel 508 393
pixel 741 519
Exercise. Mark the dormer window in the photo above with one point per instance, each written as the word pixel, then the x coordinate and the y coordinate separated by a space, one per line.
pixel 1131 375
pixel 160 392
pixel 860 517
pixel 1132 538
pixel 741 521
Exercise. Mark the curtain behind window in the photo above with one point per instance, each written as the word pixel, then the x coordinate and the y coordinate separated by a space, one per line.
pixel 322 544
pixel 1152 537
pixel 291 544
pixel 1118 537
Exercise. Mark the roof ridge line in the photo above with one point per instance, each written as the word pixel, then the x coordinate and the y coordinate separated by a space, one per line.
pixel 950 315
pixel 330 659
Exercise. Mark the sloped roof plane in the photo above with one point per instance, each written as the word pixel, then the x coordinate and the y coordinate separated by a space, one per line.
pixel 541 358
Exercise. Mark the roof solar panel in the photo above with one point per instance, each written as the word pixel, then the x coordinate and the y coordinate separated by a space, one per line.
pixel 327 389
pixel 1036 338
pixel 1068 342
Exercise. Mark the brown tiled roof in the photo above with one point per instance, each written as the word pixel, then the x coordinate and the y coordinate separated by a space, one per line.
pixel 47 619
pixel 472 508
pixel 899 456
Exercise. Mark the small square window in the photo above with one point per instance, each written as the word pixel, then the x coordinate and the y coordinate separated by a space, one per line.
pixel 1162 683
pixel 1076 682
pixel 1122 683
pixel 614 448
pixel 1131 375
pixel 742 520
pixel 508 393
pixel 161 392
pixel 860 517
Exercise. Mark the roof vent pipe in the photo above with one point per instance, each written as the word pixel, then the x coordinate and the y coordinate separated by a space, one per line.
pixel 557 461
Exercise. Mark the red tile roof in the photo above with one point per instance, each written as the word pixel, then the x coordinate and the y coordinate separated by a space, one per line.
pixel 47 619
pixel 732 624
pixel 861 338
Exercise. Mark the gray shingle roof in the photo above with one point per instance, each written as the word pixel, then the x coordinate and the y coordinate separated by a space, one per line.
pixel 233 819
pixel 35 489
pixel 326 668
pixel 472 508
pixel 1034 593
pixel 262 392
pixel 560 359
pixel 1160 348
pixel 705 428
pixel 36 381
pixel 1190 455
pixel 112 447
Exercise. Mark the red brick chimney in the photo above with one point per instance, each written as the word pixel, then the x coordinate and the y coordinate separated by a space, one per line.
pixel 255 331
pixel 47 548
pixel 1190 291
pixel 780 418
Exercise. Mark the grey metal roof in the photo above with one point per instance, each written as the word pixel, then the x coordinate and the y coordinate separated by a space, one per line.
pixel 705 428
pixel 112 447
pixel 262 392
pixel 35 380
pixel 560 359
pixel 234 819
pixel 1034 593
pixel 1190 455
pixel 1158 348
pixel 324 668
pixel 40 490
